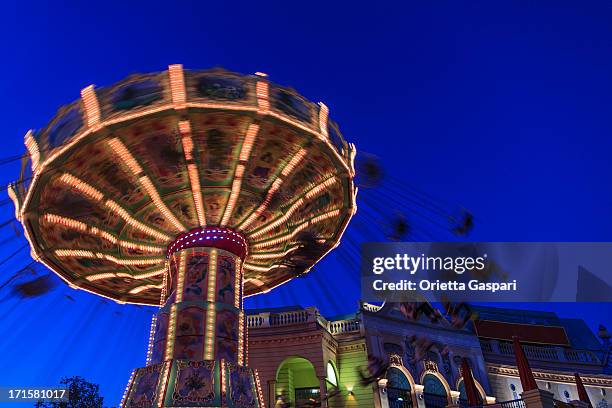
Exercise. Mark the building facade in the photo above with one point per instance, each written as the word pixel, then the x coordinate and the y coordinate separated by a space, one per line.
pixel 379 357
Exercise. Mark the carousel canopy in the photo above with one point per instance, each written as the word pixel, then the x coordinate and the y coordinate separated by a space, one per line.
pixel 116 177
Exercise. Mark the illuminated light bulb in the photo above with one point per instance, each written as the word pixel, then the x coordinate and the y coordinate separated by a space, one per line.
pixel 142 288
pixel 127 389
pixel 181 277
pixel 185 127
pixel 196 189
pixel 124 154
pixel 150 274
pixel 123 261
pixel 293 162
pixel 81 186
pixel 259 268
pixel 81 226
pixel 313 192
pixel 177 85
pixel 162 295
pixel 263 102
pixel 210 312
pixel 165 375
pixel 99 276
pixel 324 216
pixel 249 140
pixel 262 207
pixel 237 279
pixel 259 392
pixel 298 229
pixel 120 261
pixel 279 220
pixel 274 254
pixel 65 221
pixel 323 117
pixel 223 378
pixel 273 188
pixel 107 275
pixel 12 193
pixel 32 147
pixel 141 247
pixel 231 202
pixel 134 222
pixel 192 171
pixel 246 346
pixel 210 336
pixel 170 333
pixel 240 337
pixel 94 194
pixel 187 147
pixel 255 281
pixel 151 338
pixel 309 195
pixel 103 234
pixel 159 203
pixel 352 158
pixel 90 103
pixel 74 252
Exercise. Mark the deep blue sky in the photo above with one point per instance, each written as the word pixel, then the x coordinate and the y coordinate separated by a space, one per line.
pixel 501 107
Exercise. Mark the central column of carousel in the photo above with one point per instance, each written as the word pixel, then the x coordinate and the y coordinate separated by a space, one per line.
pixel 199 350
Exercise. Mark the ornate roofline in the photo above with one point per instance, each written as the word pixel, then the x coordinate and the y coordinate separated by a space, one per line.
pixel 592 380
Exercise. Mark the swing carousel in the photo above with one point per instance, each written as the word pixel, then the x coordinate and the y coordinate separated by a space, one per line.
pixel 187 190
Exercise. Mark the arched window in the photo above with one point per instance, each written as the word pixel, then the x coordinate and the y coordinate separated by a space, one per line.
pixel 463 399
pixel 331 374
pixel 434 392
pixel 296 382
pixel 398 389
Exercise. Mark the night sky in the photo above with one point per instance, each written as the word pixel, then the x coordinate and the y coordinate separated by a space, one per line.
pixel 502 108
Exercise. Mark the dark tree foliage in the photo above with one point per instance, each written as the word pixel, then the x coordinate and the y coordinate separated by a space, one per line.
pixel 81 394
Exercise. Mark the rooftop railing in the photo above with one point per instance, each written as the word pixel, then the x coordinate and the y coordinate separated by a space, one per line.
pixel 517 403
pixel 541 353
pixel 289 318
pixel 281 319
pixel 344 326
